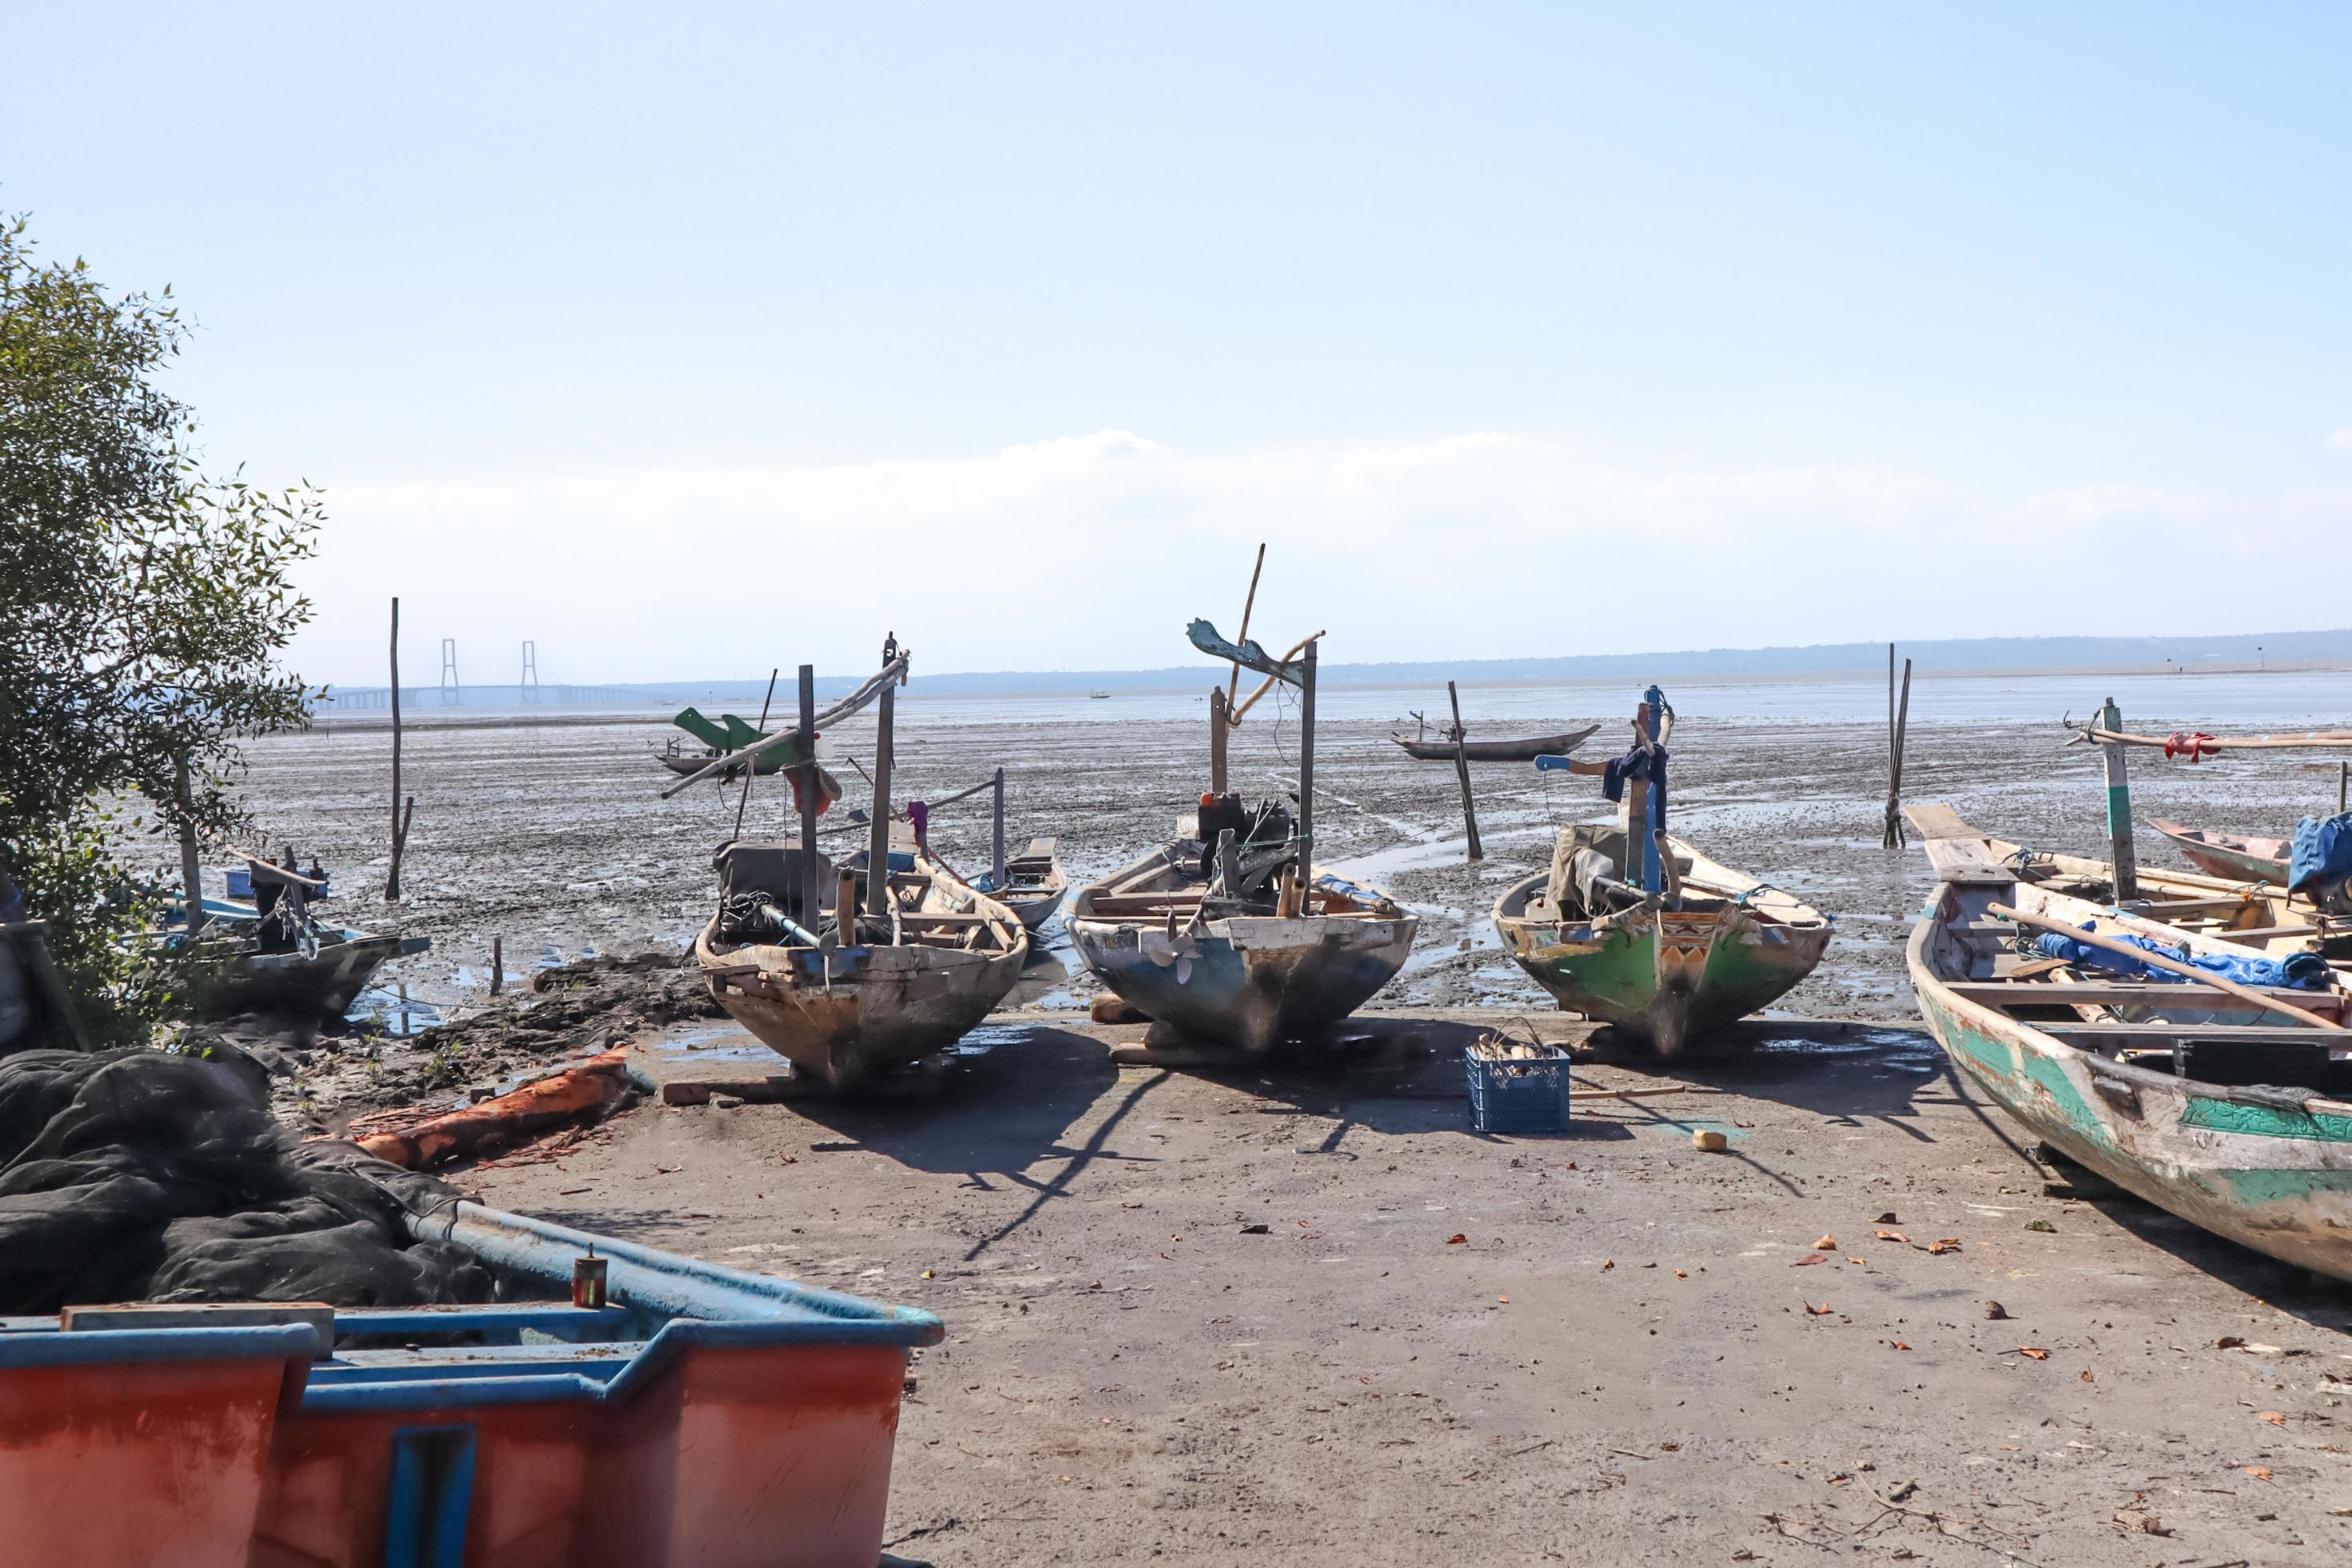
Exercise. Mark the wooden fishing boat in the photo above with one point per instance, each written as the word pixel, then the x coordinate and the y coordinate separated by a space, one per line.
pixel 846 1002
pixel 2171 1090
pixel 1232 970
pixel 694 1414
pixel 1527 750
pixel 1671 971
pixel 2228 855
pixel 1034 883
pixel 682 760
pixel 319 977
pixel 2258 915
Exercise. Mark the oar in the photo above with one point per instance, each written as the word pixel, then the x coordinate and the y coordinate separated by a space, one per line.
pixel 2171 965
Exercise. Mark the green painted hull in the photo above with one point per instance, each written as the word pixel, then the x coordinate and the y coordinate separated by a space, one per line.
pixel 1673 979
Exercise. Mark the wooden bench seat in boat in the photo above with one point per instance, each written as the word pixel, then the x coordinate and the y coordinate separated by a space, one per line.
pixel 2006 993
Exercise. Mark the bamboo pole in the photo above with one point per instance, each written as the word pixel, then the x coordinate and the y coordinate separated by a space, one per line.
pixel 1896 735
pixel 497 964
pixel 2158 961
pixel 1248 605
pixel 1461 772
pixel 877 833
pixel 1306 775
pixel 399 818
pixel 751 768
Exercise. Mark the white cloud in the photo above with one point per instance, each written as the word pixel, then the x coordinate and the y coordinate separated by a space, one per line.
pixel 1093 551
pixel 2342 438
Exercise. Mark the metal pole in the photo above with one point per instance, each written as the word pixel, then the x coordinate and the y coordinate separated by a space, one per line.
pixel 999 861
pixel 1461 772
pixel 1217 727
pixel 2120 817
pixel 191 873
pixel 878 835
pixel 751 768
pixel 806 786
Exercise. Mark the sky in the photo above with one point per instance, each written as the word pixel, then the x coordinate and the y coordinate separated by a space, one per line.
pixel 691 344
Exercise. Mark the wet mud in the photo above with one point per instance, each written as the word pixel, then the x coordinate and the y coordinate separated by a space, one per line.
pixel 555 838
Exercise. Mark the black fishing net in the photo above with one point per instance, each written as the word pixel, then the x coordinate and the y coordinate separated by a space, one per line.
pixel 146 1175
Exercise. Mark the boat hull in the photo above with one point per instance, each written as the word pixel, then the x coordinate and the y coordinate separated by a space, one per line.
pixel 1671 978
pixel 2235 862
pixel 2262 1172
pixel 852 1013
pixel 762 765
pixel 325 984
pixel 1251 982
pixel 1525 751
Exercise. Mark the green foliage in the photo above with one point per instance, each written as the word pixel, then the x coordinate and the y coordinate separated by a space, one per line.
pixel 145 607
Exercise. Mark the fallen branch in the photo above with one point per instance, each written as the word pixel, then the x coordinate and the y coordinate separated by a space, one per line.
pixel 585 1092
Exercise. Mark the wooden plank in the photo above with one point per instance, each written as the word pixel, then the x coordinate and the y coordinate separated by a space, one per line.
pixel 2204 1034
pixel 1934 819
pixel 2259 933
pixel 1967 861
pixel 2125 994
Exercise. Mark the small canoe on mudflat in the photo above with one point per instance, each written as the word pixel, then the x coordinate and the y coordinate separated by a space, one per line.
pixel 1604 948
pixel 1521 751
pixel 1231 969
pixel 2227 855
pixel 841 1003
pixel 2169 1090
pixel 1034 883
pixel 682 763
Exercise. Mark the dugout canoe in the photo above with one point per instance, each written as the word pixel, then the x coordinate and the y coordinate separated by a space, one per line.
pixel 845 1006
pixel 2234 1117
pixel 1672 975
pixel 1237 973
pixel 1526 749
pixel 1034 884
pixel 2227 854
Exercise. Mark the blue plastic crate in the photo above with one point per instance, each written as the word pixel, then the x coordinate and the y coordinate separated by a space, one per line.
pixel 1521 1095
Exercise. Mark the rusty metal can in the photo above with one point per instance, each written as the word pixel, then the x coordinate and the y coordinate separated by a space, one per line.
pixel 588 1282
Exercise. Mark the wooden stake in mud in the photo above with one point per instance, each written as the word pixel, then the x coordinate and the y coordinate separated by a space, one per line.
pixel 877 836
pixel 1218 724
pixel 807 791
pixel 2119 819
pixel 497 964
pixel 998 863
pixel 1896 734
pixel 2343 779
pixel 1461 772
pixel 1305 774
pixel 399 819
pixel 191 873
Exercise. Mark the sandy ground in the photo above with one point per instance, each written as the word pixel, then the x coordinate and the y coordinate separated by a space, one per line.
pixel 1305 1314
pixel 555 838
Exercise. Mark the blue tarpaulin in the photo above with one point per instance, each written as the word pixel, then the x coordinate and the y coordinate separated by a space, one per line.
pixel 2323 852
pixel 2302 970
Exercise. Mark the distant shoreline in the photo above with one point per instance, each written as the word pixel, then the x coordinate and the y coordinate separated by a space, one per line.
pixel 509 716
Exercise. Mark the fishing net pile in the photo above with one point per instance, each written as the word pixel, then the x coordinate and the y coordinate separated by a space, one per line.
pixel 147 1175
